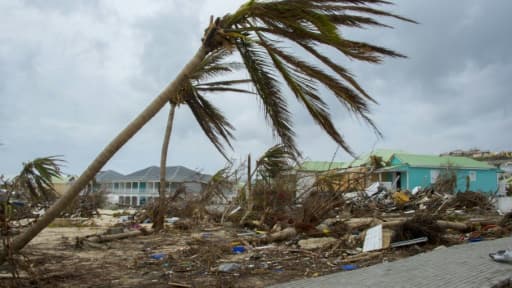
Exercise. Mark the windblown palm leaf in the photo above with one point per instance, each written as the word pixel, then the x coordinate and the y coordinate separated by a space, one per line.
pixel 257 29
pixel 35 179
pixel 274 161
pixel 211 120
pixel 218 184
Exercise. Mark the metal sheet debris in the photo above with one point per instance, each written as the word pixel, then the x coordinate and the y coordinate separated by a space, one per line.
pixel 409 242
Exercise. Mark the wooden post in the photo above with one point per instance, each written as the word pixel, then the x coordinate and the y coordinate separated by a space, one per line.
pixel 249 187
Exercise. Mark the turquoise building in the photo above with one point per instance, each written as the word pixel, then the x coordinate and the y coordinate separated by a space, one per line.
pixel 407 171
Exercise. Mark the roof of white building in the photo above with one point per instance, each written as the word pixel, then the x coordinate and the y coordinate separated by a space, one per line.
pixel 152 174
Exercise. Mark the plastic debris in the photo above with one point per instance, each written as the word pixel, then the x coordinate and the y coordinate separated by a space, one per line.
pixel 401 197
pixel 504 256
pixel 172 220
pixel 229 267
pixel 238 249
pixel 373 189
pixel 157 256
pixel 349 267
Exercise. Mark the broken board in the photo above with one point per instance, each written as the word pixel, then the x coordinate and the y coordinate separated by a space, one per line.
pixel 373 239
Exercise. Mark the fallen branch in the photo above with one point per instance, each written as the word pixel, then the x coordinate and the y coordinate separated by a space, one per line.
pixel 452 225
pixel 359 222
pixel 305 252
pixel 361 257
pixel 174 284
pixel 282 235
pixel 108 238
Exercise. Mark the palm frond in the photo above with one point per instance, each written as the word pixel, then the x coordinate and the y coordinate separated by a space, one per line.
pixel 213 123
pixel 224 89
pixel 304 89
pixel 211 120
pixel 224 83
pixel 310 24
pixel 219 183
pixel 35 179
pixel 267 86
pixel 213 66
pixel 363 9
pixel 341 71
pixel 275 160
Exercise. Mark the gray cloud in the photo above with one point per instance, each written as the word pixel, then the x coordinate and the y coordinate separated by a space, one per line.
pixel 73 73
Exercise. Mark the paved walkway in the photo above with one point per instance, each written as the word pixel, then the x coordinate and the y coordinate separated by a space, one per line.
pixel 467 265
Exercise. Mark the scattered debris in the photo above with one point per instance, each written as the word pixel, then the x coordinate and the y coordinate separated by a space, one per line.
pixel 420 226
pixel 229 267
pixel 206 243
pixel 317 243
pixel 506 221
pixel 409 242
pixel 504 256
pixel 471 200
pixel 349 267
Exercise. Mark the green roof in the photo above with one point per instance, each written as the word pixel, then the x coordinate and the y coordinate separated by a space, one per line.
pixel 441 161
pixel 319 166
pixel 364 159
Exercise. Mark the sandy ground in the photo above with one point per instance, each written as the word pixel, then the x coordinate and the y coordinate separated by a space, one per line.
pixel 190 258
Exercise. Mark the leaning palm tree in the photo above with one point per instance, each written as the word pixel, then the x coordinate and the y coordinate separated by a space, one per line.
pixel 258 30
pixel 210 119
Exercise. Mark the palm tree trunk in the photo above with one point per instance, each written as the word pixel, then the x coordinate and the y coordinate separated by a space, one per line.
pixel 250 195
pixel 126 134
pixel 162 203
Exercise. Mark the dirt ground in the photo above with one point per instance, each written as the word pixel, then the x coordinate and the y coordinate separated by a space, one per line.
pixel 206 254
pixel 191 260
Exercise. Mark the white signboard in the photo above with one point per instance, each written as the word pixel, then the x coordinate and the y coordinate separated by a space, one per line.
pixel 373 239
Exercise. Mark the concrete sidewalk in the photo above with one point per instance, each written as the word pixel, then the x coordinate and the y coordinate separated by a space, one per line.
pixel 467 265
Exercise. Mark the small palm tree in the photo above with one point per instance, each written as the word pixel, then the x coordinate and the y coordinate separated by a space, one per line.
pixel 255 30
pixel 276 160
pixel 33 183
pixel 35 179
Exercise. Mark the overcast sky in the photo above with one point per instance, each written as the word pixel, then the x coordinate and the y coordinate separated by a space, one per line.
pixel 73 73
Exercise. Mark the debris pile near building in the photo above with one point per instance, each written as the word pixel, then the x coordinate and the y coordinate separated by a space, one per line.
pixel 264 234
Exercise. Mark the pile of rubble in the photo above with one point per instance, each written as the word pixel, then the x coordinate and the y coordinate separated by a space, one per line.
pixel 327 232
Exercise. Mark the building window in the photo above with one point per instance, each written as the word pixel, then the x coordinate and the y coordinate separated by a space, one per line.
pixel 135 185
pixel 472 176
pixel 116 186
pixel 142 186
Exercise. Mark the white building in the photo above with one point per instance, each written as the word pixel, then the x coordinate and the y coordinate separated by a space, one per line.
pixel 141 187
